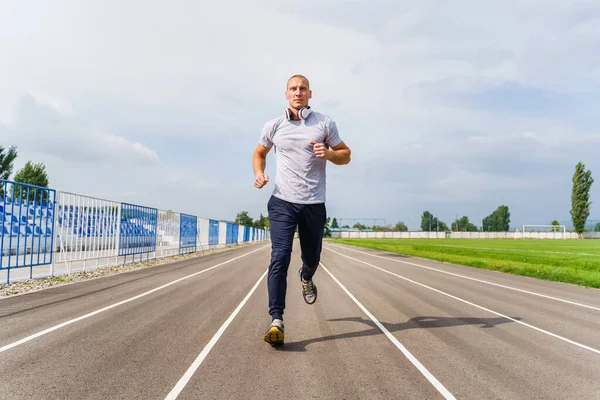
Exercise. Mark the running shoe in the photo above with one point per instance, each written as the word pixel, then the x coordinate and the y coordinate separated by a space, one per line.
pixel 309 289
pixel 274 336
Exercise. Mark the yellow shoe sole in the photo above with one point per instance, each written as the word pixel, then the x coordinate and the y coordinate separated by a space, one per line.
pixel 274 336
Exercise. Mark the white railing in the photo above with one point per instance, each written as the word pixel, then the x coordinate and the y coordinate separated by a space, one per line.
pixel 167 233
pixel 86 228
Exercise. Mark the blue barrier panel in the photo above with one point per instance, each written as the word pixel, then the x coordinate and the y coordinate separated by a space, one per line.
pixel 27 229
pixel 229 233
pixel 138 229
pixel 188 232
pixel 213 232
pixel 246 234
pixel 232 234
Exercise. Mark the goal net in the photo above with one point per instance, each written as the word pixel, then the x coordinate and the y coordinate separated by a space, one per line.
pixel 541 232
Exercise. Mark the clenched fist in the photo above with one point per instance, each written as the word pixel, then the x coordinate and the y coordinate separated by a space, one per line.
pixel 320 150
pixel 260 181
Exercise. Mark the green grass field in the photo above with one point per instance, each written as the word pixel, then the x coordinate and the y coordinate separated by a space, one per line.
pixel 570 261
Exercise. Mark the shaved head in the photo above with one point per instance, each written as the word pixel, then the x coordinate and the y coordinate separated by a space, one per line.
pixel 297 92
pixel 300 77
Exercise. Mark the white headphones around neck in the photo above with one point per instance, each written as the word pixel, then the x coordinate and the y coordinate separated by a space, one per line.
pixel 303 113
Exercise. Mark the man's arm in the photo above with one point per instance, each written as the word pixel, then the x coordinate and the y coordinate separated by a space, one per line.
pixel 338 155
pixel 259 162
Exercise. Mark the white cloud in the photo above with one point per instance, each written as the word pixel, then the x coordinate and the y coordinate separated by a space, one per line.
pixel 42 126
pixel 82 159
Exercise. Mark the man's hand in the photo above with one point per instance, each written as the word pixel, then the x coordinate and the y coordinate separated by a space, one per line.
pixel 321 151
pixel 260 181
pixel 338 155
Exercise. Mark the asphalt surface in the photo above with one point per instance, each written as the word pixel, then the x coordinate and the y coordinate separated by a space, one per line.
pixel 384 326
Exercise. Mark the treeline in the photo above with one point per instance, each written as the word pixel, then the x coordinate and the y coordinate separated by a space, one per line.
pixel 497 221
pixel 242 218
pixel 398 227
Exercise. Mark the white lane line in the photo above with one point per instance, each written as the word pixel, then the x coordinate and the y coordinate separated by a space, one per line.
pixel 475 279
pixel 196 364
pixel 432 379
pixel 475 305
pixel 62 325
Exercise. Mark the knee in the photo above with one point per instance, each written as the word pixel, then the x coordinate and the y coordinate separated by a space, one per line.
pixel 280 253
pixel 281 249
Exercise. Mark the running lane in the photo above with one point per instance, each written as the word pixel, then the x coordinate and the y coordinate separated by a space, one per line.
pixel 135 350
pixel 332 350
pixel 483 334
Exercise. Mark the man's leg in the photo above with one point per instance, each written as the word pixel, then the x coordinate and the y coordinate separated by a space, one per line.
pixel 311 224
pixel 282 220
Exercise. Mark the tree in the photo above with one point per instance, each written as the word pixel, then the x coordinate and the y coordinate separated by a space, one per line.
pixel 580 197
pixel 327 231
pixel 359 226
pixel 32 174
pixel 463 225
pixel 555 224
pixel 260 222
pixel 503 218
pixel 400 227
pixel 430 223
pixel 6 164
pixel 6 161
pixel 334 224
pixel 498 221
pixel 437 225
pixel 244 219
pixel 426 221
pixel 597 227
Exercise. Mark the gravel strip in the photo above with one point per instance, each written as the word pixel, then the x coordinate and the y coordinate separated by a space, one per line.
pixel 37 284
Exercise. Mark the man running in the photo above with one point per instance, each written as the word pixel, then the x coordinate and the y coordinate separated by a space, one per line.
pixel 304 141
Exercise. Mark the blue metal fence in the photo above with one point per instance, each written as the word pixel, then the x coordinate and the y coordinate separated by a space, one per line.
pixel 213 233
pixel 27 216
pixel 138 229
pixel 188 233
pixel 236 233
pixel 246 233
pixel 231 236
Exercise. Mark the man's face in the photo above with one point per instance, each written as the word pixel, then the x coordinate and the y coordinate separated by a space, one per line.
pixel 298 93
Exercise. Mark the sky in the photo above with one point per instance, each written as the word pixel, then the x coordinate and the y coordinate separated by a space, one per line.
pixel 455 108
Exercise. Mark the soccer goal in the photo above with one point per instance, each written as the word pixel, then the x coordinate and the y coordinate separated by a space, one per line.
pixel 541 232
